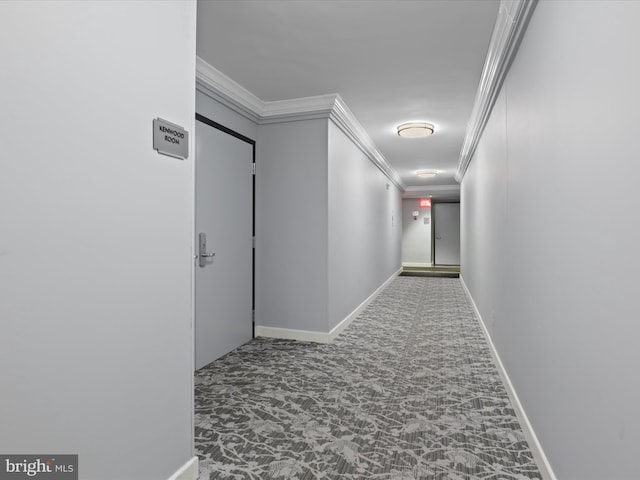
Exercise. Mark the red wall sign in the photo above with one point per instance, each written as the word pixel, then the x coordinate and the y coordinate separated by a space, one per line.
pixel 424 203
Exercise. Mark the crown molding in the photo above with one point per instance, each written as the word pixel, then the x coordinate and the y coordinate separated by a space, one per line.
pixel 510 26
pixel 319 106
pixel 216 84
pixel 419 191
pixel 222 88
pixel 346 121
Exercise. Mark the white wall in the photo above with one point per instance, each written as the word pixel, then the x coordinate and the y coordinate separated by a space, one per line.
pixel 364 229
pixel 416 236
pixel 550 232
pixel 291 225
pixel 96 235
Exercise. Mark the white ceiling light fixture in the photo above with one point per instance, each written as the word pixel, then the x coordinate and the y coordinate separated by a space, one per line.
pixel 415 130
pixel 426 173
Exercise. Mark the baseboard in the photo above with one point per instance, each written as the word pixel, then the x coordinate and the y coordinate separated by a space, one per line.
pixel 360 308
pixel 189 471
pixel 322 337
pixel 417 265
pixel 541 459
pixel 292 334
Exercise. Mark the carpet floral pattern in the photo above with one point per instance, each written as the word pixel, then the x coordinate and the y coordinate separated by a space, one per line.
pixel 408 391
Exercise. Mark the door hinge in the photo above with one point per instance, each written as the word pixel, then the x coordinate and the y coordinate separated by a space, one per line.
pixel 253 169
pixel 254 242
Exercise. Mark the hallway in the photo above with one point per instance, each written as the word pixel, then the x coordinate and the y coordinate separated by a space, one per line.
pixel 408 391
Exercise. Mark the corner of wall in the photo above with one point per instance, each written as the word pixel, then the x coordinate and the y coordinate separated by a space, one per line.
pixel 323 337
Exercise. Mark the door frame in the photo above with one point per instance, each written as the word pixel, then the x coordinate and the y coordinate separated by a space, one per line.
pixel 250 141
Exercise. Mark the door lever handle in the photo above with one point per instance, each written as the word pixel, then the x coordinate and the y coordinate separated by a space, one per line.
pixel 202 249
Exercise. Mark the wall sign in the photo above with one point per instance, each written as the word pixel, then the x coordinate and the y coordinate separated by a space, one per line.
pixel 170 139
pixel 424 203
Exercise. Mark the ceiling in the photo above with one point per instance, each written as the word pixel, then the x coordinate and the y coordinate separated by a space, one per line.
pixel 391 61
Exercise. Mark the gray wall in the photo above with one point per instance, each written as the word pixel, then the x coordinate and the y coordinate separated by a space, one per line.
pixel 96 235
pixel 328 230
pixel 291 225
pixel 416 236
pixel 550 230
pixel 365 226
pixel 210 107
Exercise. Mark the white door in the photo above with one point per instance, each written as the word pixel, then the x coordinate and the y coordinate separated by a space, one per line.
pixel 224 214
pixel 446 224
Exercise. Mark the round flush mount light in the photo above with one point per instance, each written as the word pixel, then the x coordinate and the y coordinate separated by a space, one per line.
pixel 426 173
pixel 415 130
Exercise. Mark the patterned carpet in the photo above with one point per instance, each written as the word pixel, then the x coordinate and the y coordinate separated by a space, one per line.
pixel 408 391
